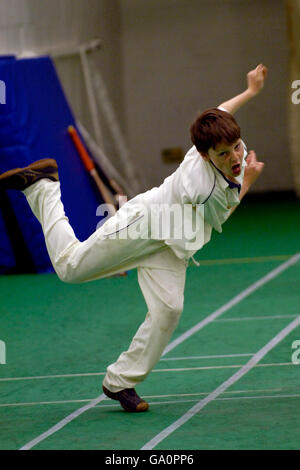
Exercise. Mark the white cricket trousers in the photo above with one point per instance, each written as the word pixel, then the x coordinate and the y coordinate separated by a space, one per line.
pixel 161 275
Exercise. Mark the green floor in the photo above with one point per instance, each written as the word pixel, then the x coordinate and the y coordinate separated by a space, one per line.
pixel 60 338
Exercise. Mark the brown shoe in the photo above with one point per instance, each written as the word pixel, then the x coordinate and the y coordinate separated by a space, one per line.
pixel 21 178
pixel 128 399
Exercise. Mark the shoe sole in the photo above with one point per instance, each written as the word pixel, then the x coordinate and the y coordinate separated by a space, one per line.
pixel 38 165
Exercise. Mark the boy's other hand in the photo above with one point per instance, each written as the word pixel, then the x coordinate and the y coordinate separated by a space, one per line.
pixel 256 79
pixel 253 168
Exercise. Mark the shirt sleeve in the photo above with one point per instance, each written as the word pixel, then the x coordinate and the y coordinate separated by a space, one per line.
pixel 197 178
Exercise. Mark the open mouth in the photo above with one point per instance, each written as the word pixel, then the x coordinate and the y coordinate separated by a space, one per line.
pixel 236 169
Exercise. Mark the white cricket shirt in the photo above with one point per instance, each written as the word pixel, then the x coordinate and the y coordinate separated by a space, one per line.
pixel 205 197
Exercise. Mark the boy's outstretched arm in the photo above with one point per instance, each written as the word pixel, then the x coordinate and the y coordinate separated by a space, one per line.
pixel 255 79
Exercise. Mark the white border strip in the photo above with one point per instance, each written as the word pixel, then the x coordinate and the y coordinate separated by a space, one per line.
pixel 219 390
pixel 173 344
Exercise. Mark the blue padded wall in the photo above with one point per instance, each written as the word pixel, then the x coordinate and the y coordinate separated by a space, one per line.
pixel 33 125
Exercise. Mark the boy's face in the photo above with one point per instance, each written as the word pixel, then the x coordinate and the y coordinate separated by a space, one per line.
pixel 227 158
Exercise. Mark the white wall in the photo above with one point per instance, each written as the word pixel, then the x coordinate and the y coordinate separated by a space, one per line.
pixel 38 24
pixel 30 26
pixel 181 56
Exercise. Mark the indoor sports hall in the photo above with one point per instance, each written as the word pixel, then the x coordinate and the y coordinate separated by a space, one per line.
pixel 109 90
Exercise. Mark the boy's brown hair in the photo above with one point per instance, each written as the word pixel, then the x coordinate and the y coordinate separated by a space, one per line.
pixel 212 127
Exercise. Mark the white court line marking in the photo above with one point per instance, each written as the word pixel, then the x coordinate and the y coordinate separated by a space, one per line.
pixel 237 299
pixel 215 356
pixel 176 402
pixel 230 392
pixel 258 259
pixel 173 344
pixel 179 369
pixel 270 317
pixel 219 390
pixel 33 403
pixel 174 395
pixel 85 400
pixel 231 366
pixel 296 395
pixel 88 374
pixel 63 422
pixel 180 402
pixel 60 376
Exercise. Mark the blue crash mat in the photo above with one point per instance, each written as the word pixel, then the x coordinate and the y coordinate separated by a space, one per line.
pixel 33 125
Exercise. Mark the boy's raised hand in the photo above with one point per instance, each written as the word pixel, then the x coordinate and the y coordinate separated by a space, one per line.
pixel 256 79
pixel 253 168
pixel 252 172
